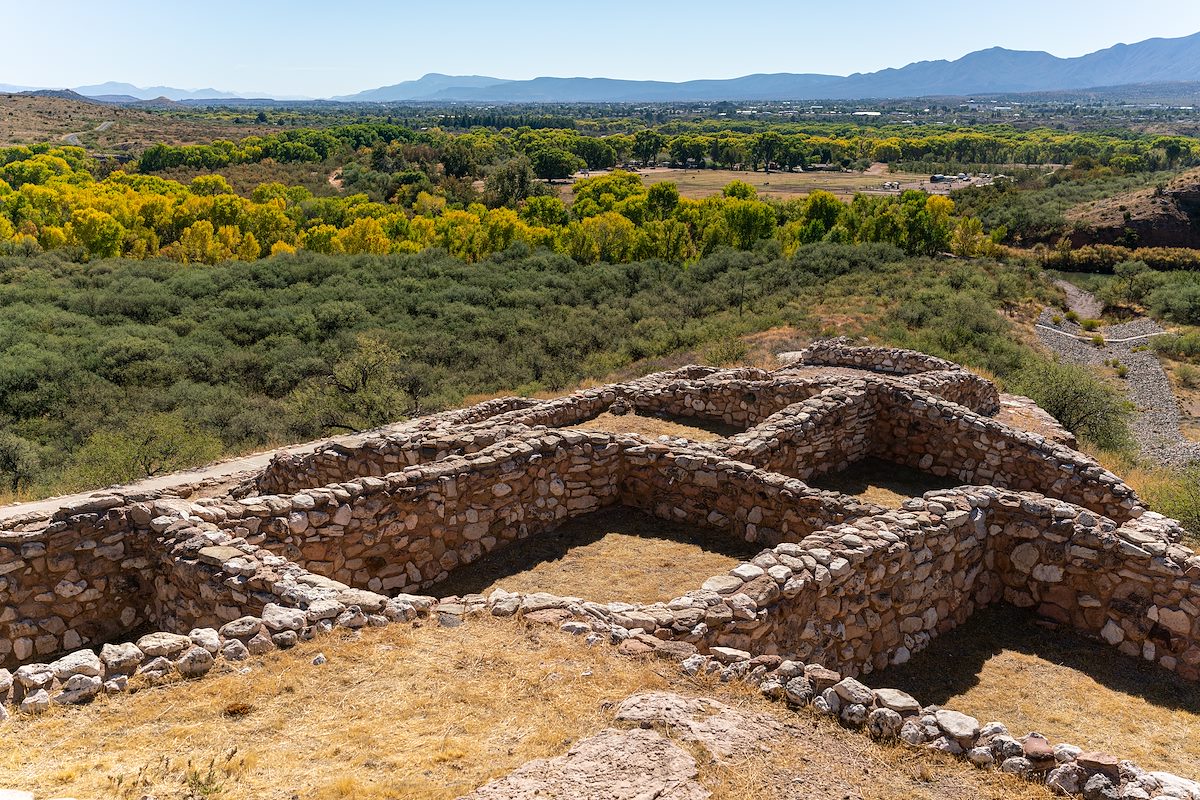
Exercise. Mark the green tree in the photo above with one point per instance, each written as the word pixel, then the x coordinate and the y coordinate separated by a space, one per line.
pixel 1134 282
pixel 1082 402
pixel 551 163
pixel 153 445
pixel 374 385
pixel 647 144
pixel 768 145
pixel 512 182
pixel 663 199
pixel 19 460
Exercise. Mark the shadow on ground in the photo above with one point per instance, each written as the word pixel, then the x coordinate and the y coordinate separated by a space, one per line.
pixel 954 664
pixel 615 554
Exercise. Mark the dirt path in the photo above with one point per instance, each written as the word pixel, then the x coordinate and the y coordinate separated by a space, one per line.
pixel 1085 304
pixel 73 138
pixel 1156 419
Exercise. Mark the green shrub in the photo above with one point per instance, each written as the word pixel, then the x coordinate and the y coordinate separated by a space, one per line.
pixel 1188 376
pixel 1177 494
pixel 727 352
pixel 1084 404
pixel 1089 324
pixel 1098 340
pixel 1074 317
pixel 1122 371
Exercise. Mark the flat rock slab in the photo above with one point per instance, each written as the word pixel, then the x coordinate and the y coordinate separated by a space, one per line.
pixel 637 764
pixel 725 732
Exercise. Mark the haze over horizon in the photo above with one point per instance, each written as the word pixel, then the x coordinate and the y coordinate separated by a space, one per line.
pixel 280 49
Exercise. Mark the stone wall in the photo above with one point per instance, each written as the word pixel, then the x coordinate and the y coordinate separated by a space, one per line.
pixel 709 490
pixel 826 433
pixel 413 527
pixel 77 581
pixel 925 432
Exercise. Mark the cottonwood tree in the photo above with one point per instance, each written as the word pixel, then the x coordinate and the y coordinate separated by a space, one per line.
pixel 551 163
pixel 647 144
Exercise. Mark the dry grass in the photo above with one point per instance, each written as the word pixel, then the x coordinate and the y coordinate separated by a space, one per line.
pixel 882 482
pixel 26 119
pixel 698 430
pixel 426 714
pixel 1188 397
pixel 1002 665
pixel 613 555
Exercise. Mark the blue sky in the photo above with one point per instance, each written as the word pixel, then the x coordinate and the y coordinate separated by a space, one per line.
pixel 320 49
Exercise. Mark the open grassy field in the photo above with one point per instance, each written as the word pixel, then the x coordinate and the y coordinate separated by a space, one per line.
pixel 615 555
pixel 429 713
pixel 1002 666
pixel 701 183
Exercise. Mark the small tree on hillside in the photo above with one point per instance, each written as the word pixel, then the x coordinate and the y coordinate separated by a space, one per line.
pixel 1084 404
pixel 19 460
pixel 143 448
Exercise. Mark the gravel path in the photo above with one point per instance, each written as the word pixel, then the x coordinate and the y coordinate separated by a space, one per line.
pixel 1155 422
pixel 1083 303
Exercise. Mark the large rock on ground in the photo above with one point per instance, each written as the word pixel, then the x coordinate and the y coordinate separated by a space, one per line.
pixel 723 731
pixel 611 764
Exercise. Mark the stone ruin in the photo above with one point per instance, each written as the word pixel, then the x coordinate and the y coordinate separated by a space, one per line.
pixel 351 534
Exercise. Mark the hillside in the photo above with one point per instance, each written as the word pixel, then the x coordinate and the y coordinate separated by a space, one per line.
pixel 1167 215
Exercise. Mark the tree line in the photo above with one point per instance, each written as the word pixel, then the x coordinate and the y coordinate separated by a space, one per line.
pixel 49 200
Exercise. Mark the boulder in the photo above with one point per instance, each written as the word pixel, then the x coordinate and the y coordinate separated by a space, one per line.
pixel 208 638
pixel 956 725
pixel 884 724
pixel 195 662
pixel 121 659
pixel 36 703
pixel 280 618
pixel 242 628
pixel 81 662
pixel 163 644
pixel 79 689
pixel 34 676
pixel 898 701
pixel 851 691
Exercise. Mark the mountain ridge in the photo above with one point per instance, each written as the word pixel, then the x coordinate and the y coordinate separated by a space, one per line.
pixel 989 71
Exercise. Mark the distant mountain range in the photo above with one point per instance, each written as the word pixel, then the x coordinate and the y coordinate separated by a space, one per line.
pixel 992 71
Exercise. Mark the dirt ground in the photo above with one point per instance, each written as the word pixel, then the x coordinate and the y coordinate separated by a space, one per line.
pixel 618 554
pixel 1002 665
pixel 429 713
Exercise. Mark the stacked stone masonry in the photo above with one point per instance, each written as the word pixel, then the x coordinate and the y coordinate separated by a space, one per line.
pixel 351 534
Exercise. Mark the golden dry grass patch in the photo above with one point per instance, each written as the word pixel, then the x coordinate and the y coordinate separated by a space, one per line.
pixel 653 427
pixel 428 713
